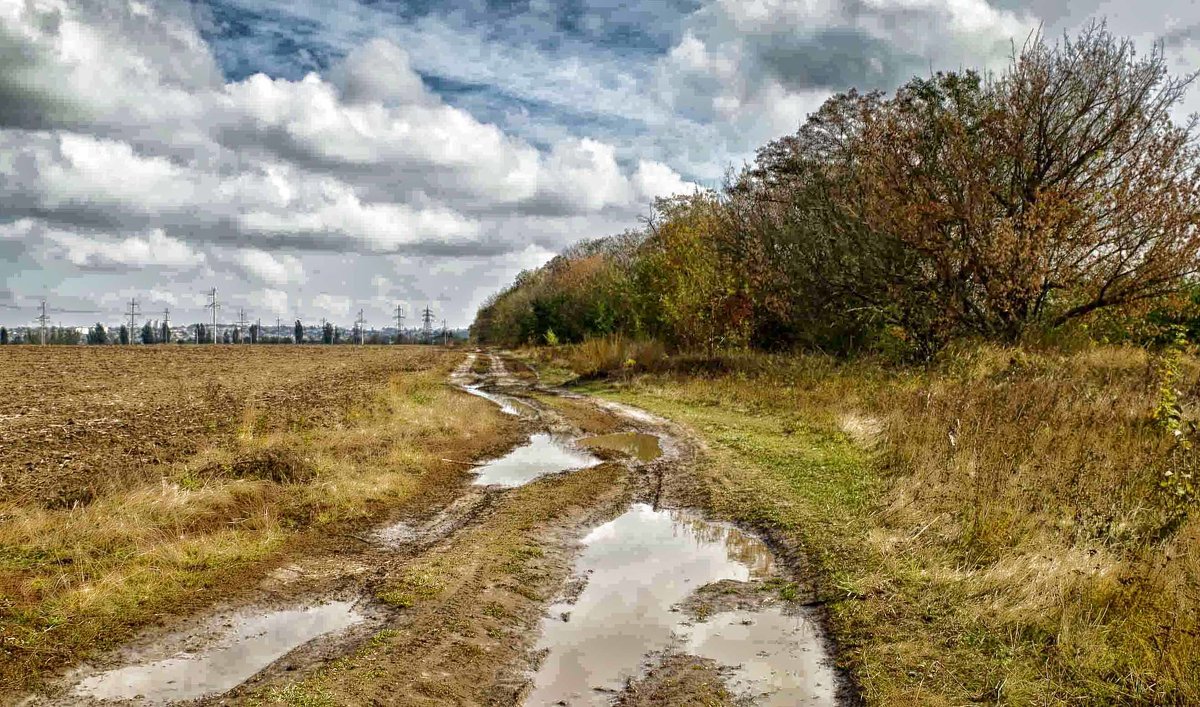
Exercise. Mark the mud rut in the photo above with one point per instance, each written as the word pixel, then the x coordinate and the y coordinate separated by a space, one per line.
pixel 620 593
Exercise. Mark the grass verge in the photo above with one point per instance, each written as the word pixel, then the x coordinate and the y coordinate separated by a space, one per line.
pixel 988 530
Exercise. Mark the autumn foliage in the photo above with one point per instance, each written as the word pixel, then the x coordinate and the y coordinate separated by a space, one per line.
pixel 961 205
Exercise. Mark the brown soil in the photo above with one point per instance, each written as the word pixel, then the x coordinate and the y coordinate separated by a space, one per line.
pixel 81 421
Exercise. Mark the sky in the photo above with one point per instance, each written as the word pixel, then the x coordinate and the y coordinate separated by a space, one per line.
pixel 311 158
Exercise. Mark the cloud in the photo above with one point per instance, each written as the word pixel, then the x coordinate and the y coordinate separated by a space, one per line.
pixel 380 72
pixel 156 249
pixel 75 63
pixel 1181 36
pixel 332 306
pixel 271 269
pixel 274 301
pixel 364 160
pixel 772 61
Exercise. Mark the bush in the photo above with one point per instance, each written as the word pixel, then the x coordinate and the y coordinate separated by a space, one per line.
pixel 599 357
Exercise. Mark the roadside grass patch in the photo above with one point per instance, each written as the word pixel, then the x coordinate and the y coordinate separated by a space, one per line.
pixel 987 529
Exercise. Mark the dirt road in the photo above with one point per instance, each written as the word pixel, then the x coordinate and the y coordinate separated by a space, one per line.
pixel 577 569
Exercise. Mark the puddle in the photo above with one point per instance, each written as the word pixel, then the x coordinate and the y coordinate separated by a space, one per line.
pixel 507 404
pixel 778 658
pixel 245 645
pixel 640 446
pixel 543 454
pixel 638 566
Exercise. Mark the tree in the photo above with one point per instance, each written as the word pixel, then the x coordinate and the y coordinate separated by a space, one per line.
pixel 123 335
pixel 237 335
pixel 201 335
pixel 299 332
pixel 97 335
pixel 226 337
pixel 3 336
pixel 327 333
pixel 253 333
pixel 164 333
pixel 147 333
pixel 1061 188
pixel 703 302
pixel 62 336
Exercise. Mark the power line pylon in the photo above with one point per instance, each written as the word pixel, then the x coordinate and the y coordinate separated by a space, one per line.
pixel 214 306
pixel 133 312
pixel 42 319
pixel 361 324
pixel 427 325
pixel 399 324
pixel 445 333
pixel 241 322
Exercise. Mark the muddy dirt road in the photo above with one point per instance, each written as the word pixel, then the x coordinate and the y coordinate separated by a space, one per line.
pixel 578 568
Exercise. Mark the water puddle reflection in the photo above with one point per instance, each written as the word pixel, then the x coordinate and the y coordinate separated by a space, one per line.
pixel 778 658
pixel 640 446
pixel 543 454
pixel 638 567
pixel 245 645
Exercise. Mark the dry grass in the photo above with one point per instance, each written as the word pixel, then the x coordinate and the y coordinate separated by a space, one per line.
pixel 183 532
pixel 596 357
pixel 989 530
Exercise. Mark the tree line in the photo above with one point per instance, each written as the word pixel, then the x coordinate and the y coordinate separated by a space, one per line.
pixel 159 333
pixel 1059 191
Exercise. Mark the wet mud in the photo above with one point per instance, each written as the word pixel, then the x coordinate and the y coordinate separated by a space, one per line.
pixel 638 445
